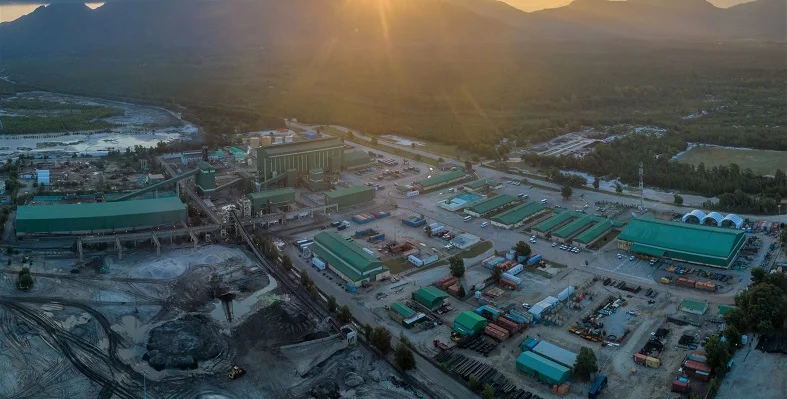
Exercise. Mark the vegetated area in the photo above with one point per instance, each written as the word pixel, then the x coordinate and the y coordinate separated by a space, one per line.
pixel 21 116
pixel 761 162
pixel 473 96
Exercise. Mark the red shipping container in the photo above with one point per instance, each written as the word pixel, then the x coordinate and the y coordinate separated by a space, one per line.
pixel 639 358
pixel 509 325
pixel 508 284
pixel 453 290
pixel 680 386
pixel 696 366
pixel 500 335
pixel 685 282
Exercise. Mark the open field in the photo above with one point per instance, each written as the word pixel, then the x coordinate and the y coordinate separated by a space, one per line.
pixel 761 162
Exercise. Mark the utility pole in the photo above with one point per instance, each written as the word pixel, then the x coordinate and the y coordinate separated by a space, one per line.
pixel 641 187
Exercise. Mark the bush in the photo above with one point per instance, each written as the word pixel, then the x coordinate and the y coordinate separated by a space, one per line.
pixel 404 357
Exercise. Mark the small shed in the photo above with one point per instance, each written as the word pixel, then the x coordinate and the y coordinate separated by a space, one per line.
pixel 430 297
pixel 469 323
pixel 694 306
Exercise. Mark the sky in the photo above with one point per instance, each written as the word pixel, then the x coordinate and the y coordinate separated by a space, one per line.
pixel 13 9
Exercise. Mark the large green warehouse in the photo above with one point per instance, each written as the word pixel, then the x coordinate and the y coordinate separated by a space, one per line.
pixel 430 297
pixel 684 242
pixel 542 368
pixel 356 160
pixel 274 198
pixel 348 259
pixel 100 217
pixel 303 156
pixel 349 196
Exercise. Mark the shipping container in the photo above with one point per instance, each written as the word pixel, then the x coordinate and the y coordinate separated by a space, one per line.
pixel 453 290
pixel 495 332
pixel 511 326
pixel 449 282
pixel 516 269
pixel 680 386
pixel 598 386
pixel 685 282
pixel 652 362
pixel 534 259
pixel 318 263
pixel 514 279
pixel 414 222
pixel 563 295
pixel 376 238
pixel 639 358
pixel 488 312
pixel 698 358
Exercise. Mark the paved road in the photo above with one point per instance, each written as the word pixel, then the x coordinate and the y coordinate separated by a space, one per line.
pixel 659 200
pixel 433 376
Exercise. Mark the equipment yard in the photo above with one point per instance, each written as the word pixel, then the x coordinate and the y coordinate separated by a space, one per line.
pixel 264 271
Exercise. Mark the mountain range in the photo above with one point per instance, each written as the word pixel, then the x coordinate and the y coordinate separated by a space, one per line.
pixel 229 25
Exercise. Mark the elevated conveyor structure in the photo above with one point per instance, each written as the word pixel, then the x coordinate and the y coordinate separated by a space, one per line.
pixel 155 186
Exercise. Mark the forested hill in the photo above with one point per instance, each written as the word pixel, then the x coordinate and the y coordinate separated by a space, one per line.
pixel 238 25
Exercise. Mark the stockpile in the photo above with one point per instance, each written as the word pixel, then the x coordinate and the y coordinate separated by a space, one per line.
pixel 484 373
pixel 446 282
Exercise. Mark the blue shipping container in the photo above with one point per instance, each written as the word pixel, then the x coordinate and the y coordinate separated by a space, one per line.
pixel 533 260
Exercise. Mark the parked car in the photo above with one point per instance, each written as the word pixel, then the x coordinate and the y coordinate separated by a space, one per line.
pixel 631 257
pixel 554 244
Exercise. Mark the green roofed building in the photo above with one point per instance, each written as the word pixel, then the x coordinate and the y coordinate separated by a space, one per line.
pixel 518 215
pixel 440 180
pixel 591 235
pixel 555 222
pixel 404 315
pixel 350 196
pixel 101 217
pixel 430 296
pixel 347 259
pixel 542 368
pixel 690 243
pixel 482 184
pixel 302 156
pixel 356 160
pixel 490 205
pixel 694 306
pixel 271 198
pixel 469 323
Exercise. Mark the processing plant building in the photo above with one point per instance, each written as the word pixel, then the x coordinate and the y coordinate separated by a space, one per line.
pixel 349 196
pixel 324 153
pixel 102 217
pixel 347 259
pixel 267 200
pixel 682 242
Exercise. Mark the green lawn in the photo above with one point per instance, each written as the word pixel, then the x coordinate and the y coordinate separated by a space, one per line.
pixel 476 250
pixel 398 265
pixel 761 162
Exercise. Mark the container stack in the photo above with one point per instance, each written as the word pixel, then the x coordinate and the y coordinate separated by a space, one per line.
pixel 496 332
pixel 446 282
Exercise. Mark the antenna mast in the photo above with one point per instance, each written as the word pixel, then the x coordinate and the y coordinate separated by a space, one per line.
pixel 641 187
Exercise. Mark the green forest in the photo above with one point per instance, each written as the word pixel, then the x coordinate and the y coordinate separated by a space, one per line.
pixel 35 116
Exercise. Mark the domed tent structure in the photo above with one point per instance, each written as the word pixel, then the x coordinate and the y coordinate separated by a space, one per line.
pixel 696 216
pixel 732 220
pixel 713 219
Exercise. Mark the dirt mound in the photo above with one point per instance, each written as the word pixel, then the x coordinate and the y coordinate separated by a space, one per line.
pixel 279 324
pixel 183 343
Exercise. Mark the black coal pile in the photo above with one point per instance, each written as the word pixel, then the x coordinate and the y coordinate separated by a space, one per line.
pixel 183 343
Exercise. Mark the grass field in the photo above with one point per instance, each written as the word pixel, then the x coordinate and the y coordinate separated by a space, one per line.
pixel 762 162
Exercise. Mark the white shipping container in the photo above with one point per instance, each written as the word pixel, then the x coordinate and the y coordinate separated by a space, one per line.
pixel 318 263
pixel 514 279
pixel 516 269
